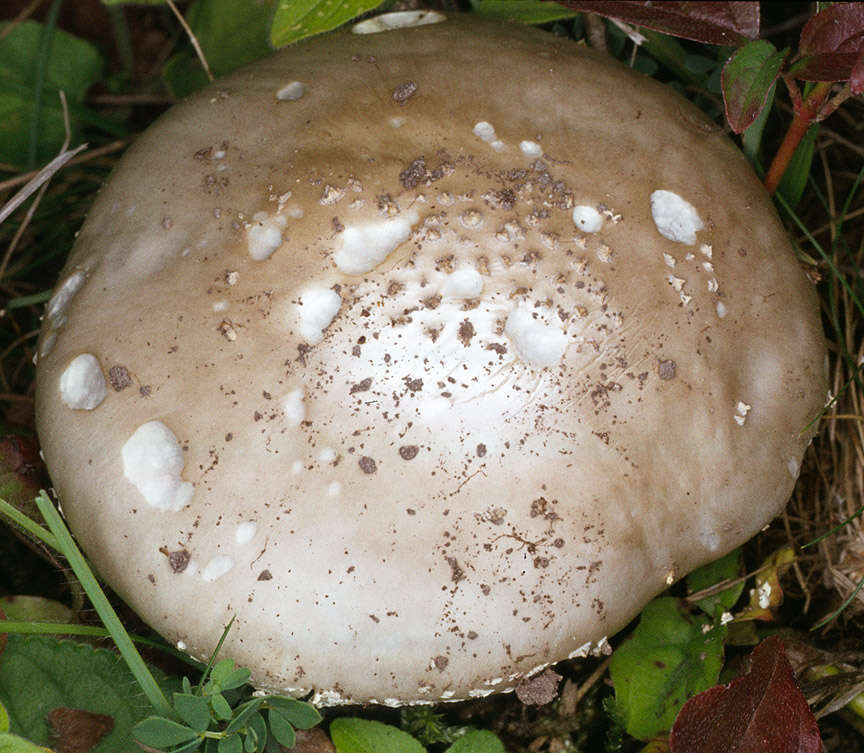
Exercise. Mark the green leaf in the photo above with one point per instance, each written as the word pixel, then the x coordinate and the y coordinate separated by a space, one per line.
pixel 797 172
pixel 297 19
pixel 726 568
pixel 162 733
pixel 670 656
pixel 256 730
pixel 231 744
pixel 477 741
pixel 522 11
pixel 4 719
pixel 747 80
pixel 193 710
pixel 73 65
pixel 34 609
pixel 301 715
pixel 752 138
pixel 280 726
pixel 221 708
pixel 236 679
pixel 244 712
pixel 41 673
pixel 221 671
pixel 353 735
pixel 14 744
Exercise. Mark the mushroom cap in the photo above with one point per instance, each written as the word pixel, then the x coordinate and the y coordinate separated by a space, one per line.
pixel 431 354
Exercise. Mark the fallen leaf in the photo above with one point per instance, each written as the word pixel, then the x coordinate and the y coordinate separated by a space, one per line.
pixel 763 711
pixel 77 730
pixel 722 23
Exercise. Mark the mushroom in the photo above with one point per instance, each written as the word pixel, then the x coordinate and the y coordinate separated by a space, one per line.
pixel 431 364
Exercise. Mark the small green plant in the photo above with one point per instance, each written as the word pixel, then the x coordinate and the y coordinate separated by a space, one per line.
pixel 218 716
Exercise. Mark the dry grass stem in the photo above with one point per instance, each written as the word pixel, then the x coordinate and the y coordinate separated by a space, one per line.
pixel 192 38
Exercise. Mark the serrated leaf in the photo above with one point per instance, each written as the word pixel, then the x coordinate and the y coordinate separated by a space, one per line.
pixel 747 80
pixel 281 728
pixel 74 65
pixel 41 673
pixel 670 656
pixel 353 735
pixel 832 45
pixel 193 710
pixel 722 23
pixel 297 19
pixel 726 568
pixel 301 715
pixel 477 741
pixel 522 11
pixel 762 711
pixel 160 732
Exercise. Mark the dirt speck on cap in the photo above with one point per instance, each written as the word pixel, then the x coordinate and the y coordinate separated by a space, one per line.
pixel 666 369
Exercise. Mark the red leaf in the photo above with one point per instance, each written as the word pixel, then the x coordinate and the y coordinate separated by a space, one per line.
pixel 763 711
pixel 832 45
pixel 721 23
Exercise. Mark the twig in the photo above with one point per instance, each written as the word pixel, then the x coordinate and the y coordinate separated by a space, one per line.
pixel 25 13
pixel 86 157
pixel 33 185
pixel 192 38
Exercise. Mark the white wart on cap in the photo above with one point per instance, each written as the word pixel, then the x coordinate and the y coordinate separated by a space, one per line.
pixel 427 387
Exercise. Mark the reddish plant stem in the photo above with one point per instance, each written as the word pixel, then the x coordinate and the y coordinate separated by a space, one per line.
pixel 803 119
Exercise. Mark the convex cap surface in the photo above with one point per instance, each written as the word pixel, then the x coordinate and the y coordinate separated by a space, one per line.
pixel 431 354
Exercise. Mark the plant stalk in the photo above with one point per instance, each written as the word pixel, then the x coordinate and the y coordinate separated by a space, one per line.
pixel 804 117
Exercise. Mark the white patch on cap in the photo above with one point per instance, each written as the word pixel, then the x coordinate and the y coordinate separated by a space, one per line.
pixel 675 218
pixel 317 308
pixel 484 131
pixel 721 309
pixel 710 540
pixel 294 407
pixel 793 467
pixel 153 462
pixel 327 455
pixel 217 567
pixel 463 283
pixel 60 300
pixel 741 411
pixel 397 121
pixel 82 384
pixel 530 148
pixel 291 92
pixel 535 341
pixel 587 219
pixel 220 306
pixel 398 20
pixel 264 235
pixel 333 489
pixel 245 532
pixel 364 247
